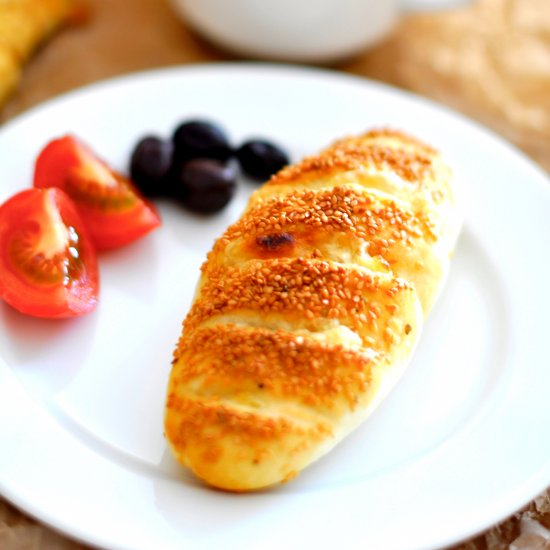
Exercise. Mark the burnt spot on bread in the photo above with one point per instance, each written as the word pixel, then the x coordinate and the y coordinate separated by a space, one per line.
pixel 272 245
pixel 275 241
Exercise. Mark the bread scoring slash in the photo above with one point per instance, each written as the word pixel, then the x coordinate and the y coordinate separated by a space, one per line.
pixel 309 308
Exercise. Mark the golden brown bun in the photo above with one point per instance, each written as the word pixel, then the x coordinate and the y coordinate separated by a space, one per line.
pixel 309 308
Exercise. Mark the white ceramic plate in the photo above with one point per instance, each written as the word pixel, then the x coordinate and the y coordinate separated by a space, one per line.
pixel 461 442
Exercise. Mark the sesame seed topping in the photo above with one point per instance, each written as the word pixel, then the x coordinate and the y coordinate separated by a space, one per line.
pixel 193 418
pixel 413 166
pixel 341 208
pixel 244 358
pixel 301 290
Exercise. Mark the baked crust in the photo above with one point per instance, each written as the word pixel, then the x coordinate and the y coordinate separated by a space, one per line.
pixel 309 308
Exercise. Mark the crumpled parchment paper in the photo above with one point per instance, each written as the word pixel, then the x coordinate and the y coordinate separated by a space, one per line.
pixel 490 60
pixel 528 529
pixel 19 532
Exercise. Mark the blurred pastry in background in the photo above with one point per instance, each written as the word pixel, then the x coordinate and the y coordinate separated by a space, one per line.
pixel 24 25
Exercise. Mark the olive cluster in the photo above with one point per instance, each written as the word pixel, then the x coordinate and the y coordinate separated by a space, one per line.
pixel 194 167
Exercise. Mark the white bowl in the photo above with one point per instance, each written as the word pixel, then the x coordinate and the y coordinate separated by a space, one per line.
pixel 291 30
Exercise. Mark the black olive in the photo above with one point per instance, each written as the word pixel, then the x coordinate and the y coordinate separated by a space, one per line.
pixel 260 159
pixel 206 185
pixel 150 164
pixel 201 139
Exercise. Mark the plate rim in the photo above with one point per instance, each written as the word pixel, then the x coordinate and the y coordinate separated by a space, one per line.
pixel 252 67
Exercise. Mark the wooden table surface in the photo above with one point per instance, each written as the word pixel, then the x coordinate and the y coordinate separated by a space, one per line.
pixel 122 36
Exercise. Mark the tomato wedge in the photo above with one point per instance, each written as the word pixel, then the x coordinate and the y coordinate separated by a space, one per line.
pixel 48 265
pixel 113 210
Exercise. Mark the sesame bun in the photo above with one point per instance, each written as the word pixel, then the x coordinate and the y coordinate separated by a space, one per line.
pixel 309 308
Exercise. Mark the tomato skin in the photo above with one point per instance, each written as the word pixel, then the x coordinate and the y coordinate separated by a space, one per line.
pixel 112 208
pixel 34 279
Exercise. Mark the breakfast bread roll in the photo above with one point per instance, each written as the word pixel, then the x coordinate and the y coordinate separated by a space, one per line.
pixel 309 308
